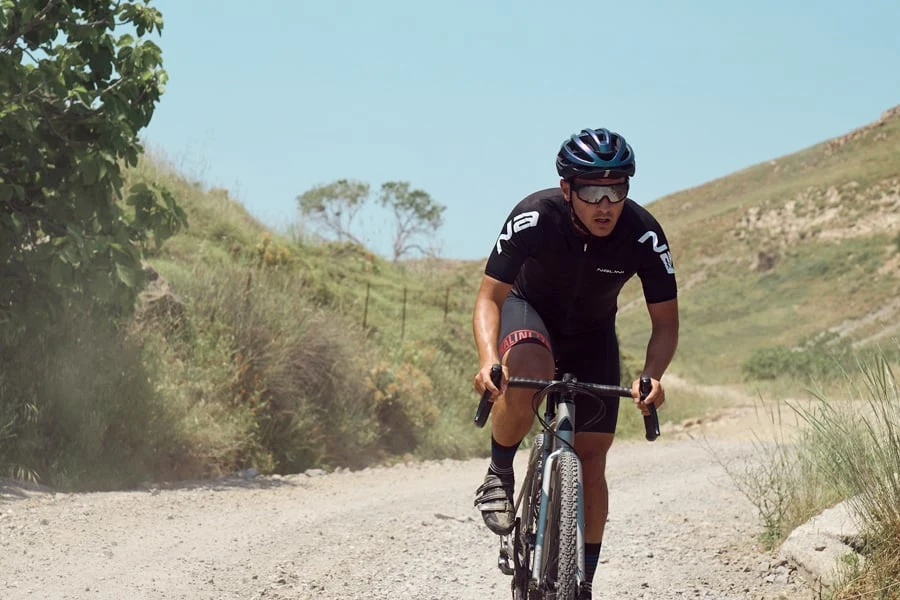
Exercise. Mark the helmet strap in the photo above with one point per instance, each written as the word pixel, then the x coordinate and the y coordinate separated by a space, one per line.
pixel 579 225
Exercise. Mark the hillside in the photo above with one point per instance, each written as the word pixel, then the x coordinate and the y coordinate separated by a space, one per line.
pixel 800 246
pixel 248 349
pixel 280 353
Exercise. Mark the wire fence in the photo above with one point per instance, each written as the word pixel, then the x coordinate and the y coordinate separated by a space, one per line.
pixel 443 305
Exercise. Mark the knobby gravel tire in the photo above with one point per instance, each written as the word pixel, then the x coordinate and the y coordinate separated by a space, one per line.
pixel 560 550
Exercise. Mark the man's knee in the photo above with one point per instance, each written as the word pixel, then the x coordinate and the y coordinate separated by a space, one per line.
pixel 526 360
pixel 592 449
pixel 530 360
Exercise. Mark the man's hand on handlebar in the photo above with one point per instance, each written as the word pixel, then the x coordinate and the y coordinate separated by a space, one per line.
pixel 483 381
pixel 657 396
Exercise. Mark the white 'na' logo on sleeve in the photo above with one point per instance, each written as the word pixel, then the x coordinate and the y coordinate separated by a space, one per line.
pixel 517 223
pixel 662 250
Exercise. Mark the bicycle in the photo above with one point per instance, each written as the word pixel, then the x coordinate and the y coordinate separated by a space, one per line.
pixel 544 553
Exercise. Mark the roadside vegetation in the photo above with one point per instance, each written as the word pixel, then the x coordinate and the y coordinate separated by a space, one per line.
pixel 846 448
pixel 858 448
pixel 74 90
pixel 246 350
pixel 152 329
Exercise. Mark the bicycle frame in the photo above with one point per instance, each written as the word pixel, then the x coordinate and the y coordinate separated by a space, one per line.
pixel 558 442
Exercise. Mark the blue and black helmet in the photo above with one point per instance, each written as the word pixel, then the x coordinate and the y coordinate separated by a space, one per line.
pixel 595 152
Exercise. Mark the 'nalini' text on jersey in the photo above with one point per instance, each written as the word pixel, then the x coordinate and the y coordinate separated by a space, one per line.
pixel 571 279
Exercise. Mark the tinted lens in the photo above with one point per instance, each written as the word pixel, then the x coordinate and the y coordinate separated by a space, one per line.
pixel 594 194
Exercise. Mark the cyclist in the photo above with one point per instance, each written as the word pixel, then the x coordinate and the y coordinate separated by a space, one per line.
pixel 547 305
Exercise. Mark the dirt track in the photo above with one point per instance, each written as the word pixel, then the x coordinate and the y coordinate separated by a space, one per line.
pixel 678 529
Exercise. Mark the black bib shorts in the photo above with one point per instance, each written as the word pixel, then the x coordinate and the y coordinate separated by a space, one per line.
pixel 591 356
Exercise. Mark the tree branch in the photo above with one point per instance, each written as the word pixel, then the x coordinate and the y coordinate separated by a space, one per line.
pixel 7 44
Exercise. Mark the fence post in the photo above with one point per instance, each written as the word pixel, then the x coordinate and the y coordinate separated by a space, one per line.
pixel 366 309
pixel 247 291
pixel 447 302
pixel 403 324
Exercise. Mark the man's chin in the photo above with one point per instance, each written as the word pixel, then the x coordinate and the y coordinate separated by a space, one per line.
pixel 601 230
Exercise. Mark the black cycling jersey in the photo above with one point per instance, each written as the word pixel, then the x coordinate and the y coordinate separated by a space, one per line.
pixel 572 279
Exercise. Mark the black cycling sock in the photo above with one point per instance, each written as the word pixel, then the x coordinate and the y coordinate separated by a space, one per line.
pixel 502 459
pixel 591 558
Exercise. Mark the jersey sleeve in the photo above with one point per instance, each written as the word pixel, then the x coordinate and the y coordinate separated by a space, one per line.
pixel 657 269
pixel 519 238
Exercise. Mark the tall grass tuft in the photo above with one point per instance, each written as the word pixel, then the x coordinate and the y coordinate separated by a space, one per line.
pixel 858 447
pixel 295 372
pixel 848 449
pixel 782 479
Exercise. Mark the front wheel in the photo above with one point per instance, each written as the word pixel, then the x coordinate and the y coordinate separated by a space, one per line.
pixel 560 558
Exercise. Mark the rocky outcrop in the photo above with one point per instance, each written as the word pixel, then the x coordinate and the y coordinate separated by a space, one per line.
pixel 824 543
pixel 856 134
pixel 159 304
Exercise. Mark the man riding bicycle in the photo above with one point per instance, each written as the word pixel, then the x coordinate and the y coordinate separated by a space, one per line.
pixel 547 304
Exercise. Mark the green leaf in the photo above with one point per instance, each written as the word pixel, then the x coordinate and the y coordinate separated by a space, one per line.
pixel 75 233
pixel 82 95
pixel 84 210
pixel 169 199
pixel 137 194
pixel 18 222
pixel 59 273
pixel 70 254
pixel 102 288
pixel 90 170
pixel 128 275
pixel 6 13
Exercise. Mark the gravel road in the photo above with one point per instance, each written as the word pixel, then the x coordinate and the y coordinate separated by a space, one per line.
pixel 678 529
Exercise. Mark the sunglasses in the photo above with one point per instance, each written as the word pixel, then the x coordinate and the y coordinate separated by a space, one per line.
pixel 594 194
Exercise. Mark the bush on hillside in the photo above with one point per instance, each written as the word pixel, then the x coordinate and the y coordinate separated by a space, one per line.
pixel 823 358
pixel 297 370
pixel 404 405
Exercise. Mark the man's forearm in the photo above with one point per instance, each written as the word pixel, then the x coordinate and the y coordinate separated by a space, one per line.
pixel 660 350
pixel 486 326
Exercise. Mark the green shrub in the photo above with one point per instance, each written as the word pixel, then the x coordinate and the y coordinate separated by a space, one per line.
pixel 822 358
pixel 769 363
pixel 294 369
pixel 447 358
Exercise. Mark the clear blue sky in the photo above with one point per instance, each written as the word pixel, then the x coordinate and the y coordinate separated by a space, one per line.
pixel 469 100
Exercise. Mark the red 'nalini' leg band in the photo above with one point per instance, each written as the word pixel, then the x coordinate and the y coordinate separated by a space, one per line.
pixel 523 336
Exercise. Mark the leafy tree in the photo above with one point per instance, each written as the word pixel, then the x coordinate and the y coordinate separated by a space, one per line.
pixel 333 206
pixel 78 81
pixel 416 214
